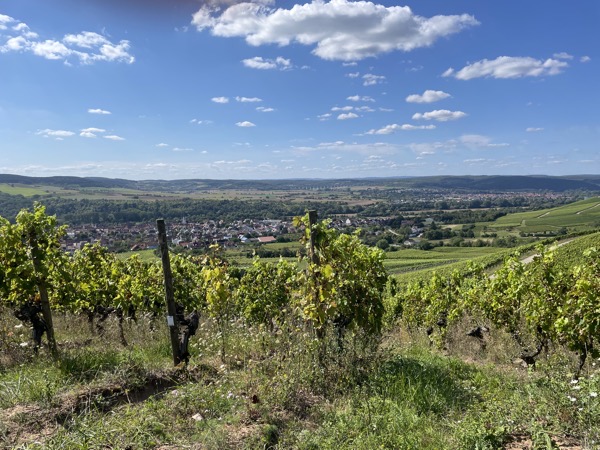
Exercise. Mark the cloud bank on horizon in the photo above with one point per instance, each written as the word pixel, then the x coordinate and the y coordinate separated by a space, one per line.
pixel 272 89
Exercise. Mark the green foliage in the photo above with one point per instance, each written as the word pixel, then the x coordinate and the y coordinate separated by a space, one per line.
pixel 266 291
pixel 29 253
pixel 345 279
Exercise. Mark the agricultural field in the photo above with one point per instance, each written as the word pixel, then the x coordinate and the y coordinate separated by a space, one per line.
pixel 578 216
pixel 406 260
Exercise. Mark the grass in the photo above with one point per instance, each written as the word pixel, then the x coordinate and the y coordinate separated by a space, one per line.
pixel 273 391
pixel 147 255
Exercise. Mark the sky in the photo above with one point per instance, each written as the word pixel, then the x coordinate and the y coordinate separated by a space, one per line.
pixel 227 89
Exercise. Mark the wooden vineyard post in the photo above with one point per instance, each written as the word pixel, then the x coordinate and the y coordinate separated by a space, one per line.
pixel 172 321
pixel 314 259
pixel 312 221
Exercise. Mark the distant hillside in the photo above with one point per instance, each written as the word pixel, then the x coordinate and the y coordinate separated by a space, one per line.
pixel 463 183
pixel 511 183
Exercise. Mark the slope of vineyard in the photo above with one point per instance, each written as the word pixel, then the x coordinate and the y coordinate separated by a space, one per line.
pixel 307 356
pixel 578 216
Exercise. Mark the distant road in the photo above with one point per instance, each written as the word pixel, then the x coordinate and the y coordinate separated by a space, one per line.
pixel 530 258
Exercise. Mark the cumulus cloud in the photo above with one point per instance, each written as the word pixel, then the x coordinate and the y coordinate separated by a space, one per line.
pixel 86 47
pixel 342 108
pixel 508 67
pixel 54 133
pixel 114 137
pixel 220 99
pixel 477 141
pixel 264 109
pixel 338 30
pixel 248 99
pixel 162 145
pixel 370 80
pixel 441 115
pixel 389 129
pixel 585 59
pixel 533 129
pixel 245 124
pixel 347 116
pixel 98 111
pixel 91 132
pixel 429 96
pixel 4 21
pixel 260 63
pixel 562 55
pixel 359 98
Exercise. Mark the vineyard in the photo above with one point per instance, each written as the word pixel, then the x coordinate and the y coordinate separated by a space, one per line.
pixel 328 351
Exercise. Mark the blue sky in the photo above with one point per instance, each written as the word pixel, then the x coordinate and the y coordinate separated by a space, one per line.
pixel 272 89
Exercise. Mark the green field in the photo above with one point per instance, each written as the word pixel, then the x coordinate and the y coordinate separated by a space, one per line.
pixel 412 259
pixel 578 216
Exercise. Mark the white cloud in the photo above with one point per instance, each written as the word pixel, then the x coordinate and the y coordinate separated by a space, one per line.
pixel 162 144
pixel 91 132
pixel 245 124
pixel 86 47
pixel 178 149
pixel 342 108
pixel 347 116
pixel 533 129
pixel 389 129
pixel 508 67
pixel 353 75
pixel 114 137
pixel 261 63
pixel 477 141
pixel 50 49
pixel 54 133
pixel 23 28
pixel 324 117
pixel 358 98
pixel 85 39
pixel 4 20
pixel 429 96
pixel 562 55
pixel 370 80
pixel 585 59
pixel 441 115
pixel 99 111
pixel 248 99
pixel 376 148
pixel 264 109
pixel 339 29
pixel 14 44
pixel 220 99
